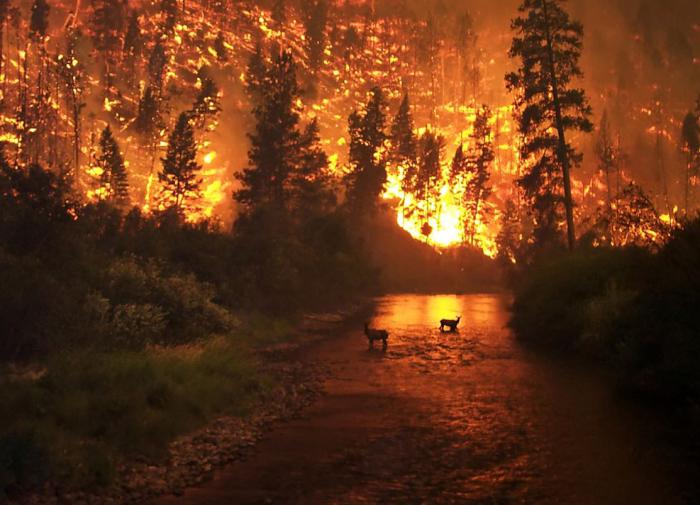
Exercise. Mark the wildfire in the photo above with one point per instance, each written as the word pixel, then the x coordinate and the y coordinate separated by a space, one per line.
pixel 205 42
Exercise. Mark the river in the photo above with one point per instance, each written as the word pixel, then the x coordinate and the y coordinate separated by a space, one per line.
pixel 470 417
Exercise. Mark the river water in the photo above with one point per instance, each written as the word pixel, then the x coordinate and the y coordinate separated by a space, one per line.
pixel 470 417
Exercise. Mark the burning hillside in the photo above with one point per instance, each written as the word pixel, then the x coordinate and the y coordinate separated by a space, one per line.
pixel 70 69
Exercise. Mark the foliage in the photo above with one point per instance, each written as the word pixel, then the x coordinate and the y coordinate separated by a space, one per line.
pixel 179 177
pixel 474 169
pixel 629 307
pixel 113 178
pixel 429 174
pixel 367 175
pixel 275 141
pixel 548 44
pixel 631 219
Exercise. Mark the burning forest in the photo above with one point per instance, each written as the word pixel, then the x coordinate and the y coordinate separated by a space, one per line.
pixel 186 186
pixel 72 71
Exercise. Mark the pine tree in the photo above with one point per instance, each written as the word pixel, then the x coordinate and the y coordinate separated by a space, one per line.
pixel 35 103
pixel 156 67
pixel 310 182
pixel 548 45
pixel 179 176
pixel 367 176
pixel 315 20
pixel 113 178
pixel 275 140
pixel 428 52
pixel 256 73
pixel 403 137
pixel 478 166
pixel 429 174
pixel 404 149
pixel 509 238
pixel 133 41
pixel 468 56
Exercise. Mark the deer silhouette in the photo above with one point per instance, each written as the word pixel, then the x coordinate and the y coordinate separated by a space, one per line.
pixel 449 324
pixel 373 334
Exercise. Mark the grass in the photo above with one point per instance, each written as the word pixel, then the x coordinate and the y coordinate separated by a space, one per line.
pixel 89 410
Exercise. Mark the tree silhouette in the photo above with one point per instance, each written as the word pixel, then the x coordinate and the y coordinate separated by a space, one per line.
pixel 478 172
pixel 429 175
pixel 275 140
pixel 179 176
pixel 107 23
pixel 367 176
pixel 220 48
pixel 256 74
pixel 132 48
pixel 404 149
pixel 548 44
pixel 310 182
pixel 113 179
pixel 156 68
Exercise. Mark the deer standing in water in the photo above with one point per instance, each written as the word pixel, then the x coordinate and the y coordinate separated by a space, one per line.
pixel 373 335
pixel 450 324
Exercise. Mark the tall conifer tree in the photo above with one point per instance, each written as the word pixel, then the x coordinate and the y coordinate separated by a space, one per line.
pixel 367 176
pixel 275 140
pixel 548 44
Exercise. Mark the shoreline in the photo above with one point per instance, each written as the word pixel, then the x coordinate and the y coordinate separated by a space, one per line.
pixel 193 457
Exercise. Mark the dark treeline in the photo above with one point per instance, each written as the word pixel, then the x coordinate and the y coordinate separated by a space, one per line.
pixel 626 292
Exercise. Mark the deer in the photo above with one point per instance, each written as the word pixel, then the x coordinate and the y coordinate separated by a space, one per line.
pixel 373 335
pixel 450 324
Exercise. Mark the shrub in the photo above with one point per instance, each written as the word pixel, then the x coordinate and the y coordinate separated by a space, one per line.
pixel 628 306
pixel 133 326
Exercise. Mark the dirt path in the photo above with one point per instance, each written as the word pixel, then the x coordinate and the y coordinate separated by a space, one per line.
pixel 461 418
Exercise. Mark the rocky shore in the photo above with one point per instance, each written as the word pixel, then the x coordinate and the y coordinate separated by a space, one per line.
pixel 193 458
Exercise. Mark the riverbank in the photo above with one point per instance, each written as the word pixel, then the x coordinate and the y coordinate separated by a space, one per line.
pixel 633 309
pixel 190 411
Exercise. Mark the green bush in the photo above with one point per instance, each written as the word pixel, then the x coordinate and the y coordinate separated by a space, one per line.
pixel 604 318
pixel 629 307
pixel 553 297
pixel 133 326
